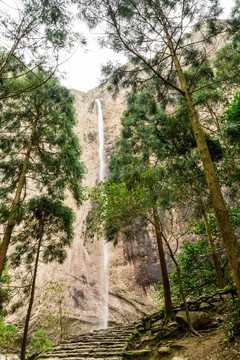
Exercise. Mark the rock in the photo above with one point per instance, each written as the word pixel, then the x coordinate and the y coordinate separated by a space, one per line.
pixel 204 305
pixel 158 323
pixel 164 350
pixel 227 296
pixel 217 303
pixel 199 319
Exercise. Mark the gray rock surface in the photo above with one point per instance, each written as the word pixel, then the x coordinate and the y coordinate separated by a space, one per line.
pixel 198 318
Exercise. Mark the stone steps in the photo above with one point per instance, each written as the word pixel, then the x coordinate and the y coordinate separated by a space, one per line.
pixel 103 344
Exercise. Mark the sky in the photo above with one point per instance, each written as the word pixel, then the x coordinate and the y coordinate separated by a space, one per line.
pixel 83 69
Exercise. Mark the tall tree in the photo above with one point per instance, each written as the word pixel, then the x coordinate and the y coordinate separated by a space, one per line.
pixel 164 29
pixel 33 33
pixel 47 231
pixel 39 151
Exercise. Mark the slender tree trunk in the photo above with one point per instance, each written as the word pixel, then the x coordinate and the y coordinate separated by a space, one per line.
pixel 14 208
pixel 165 279
pixel 189 321
pixel 13 48
pixel 213 251
pixel 229 238
pixel 30 305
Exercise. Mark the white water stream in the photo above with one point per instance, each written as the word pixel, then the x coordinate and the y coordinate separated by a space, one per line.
pixel 101 178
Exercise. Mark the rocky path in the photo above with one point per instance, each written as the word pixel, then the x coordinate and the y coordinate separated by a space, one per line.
pixel 101 344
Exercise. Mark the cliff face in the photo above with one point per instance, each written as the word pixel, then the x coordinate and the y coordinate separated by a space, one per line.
pixel 133 267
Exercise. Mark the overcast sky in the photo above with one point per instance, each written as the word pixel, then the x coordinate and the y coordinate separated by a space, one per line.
pixel 83 68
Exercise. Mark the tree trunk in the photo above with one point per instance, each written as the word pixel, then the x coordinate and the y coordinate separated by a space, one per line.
pixel 168 307
pixel 189 321
pixel 213 251
pixel 229 238
pixel 14 208
pixel 30 305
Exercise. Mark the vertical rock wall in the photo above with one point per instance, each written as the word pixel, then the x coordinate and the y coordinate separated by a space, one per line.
pixel 133 266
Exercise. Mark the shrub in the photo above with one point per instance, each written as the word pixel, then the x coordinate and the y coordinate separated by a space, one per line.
pixel 232 323
pixel 6 333
pixel 39 342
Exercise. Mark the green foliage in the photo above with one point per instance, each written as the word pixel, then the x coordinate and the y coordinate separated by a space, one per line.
pixel 50 22
pixel 4 288
pixel 40 122
pixel 231 325
pixel 198 228
pixel 115 210
pixel 197 271
pixel 47 221
pixel 7 333
pixel 54 318
pixel 39 343
pixel 231 121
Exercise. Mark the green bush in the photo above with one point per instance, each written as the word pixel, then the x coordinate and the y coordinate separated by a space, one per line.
pixel 39 342
pixel 6 333
pixel 197 271
pixel 232 324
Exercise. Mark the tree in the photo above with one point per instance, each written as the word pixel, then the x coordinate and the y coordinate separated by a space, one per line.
pixel 119 210
pixel 171 142
pixel 39 152
pixel 159 34
pixel 47 231
pixel 54 318
pixel 33 33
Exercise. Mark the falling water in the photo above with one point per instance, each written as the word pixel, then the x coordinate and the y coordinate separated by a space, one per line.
pixel 101 178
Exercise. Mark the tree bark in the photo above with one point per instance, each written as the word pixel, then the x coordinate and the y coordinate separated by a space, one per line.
pixel 229 238
pixel 168 307
pixel 213 251
pixel 189 321
pixel 14 208
pixel 30 305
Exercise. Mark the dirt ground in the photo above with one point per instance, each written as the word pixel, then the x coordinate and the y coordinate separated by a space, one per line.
pixel 210 345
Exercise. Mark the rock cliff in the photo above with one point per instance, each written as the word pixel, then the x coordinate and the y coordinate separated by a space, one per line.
pixel 133 266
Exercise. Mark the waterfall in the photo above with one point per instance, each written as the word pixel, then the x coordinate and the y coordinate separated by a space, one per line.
pixel 101 178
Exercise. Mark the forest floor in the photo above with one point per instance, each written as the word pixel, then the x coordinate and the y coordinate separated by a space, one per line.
pixel 210 345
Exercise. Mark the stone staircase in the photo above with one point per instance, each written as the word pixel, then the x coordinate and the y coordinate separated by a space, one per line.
pixel 101 344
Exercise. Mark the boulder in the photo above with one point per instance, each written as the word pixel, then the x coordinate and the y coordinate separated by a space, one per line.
pixel 199 319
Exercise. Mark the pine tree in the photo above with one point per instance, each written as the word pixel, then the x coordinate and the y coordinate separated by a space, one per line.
pixel 33 35
pixel 47 230
pixel 39 151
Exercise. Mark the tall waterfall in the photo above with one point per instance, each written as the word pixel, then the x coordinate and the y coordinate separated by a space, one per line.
pixel 101 178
